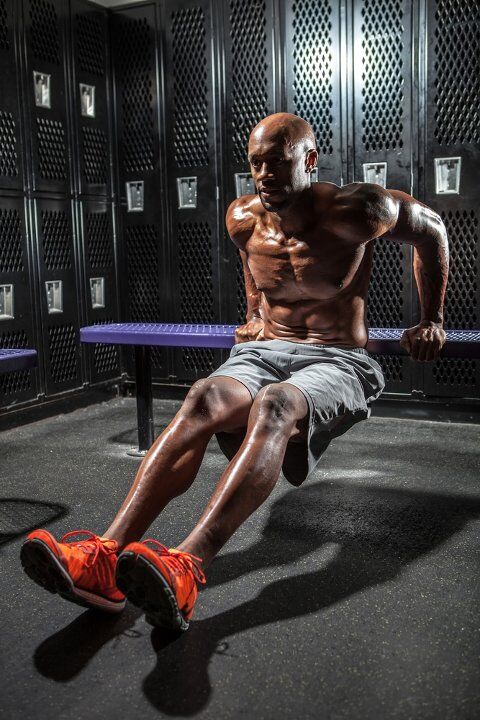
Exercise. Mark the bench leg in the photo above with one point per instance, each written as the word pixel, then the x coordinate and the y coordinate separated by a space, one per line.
pixel 143 377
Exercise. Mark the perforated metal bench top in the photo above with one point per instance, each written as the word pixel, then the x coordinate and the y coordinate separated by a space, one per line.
pixel 12 360
pixel 460 343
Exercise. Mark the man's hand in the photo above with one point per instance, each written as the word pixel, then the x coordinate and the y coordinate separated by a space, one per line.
pixel 249 331
pixel 424 341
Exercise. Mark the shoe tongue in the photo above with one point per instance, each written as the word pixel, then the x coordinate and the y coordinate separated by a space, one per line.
pixel 109 543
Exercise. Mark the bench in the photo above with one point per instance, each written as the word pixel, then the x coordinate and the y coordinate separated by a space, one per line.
pixel 12 360
pixel 385 341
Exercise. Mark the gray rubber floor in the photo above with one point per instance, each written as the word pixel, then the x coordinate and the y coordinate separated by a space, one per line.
pixel 354 596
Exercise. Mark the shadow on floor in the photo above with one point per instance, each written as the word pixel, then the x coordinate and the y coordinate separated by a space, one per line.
pixel 18 516
pixel 375 533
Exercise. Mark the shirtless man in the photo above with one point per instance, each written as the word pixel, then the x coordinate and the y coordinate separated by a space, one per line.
pixel 298 375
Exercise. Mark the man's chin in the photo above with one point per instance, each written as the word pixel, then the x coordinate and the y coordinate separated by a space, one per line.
pixel 274 205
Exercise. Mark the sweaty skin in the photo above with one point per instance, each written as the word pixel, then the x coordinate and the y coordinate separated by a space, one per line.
pixel 307 248
pixel 307 255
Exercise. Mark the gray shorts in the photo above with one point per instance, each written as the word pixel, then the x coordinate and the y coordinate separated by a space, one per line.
pixel 337 383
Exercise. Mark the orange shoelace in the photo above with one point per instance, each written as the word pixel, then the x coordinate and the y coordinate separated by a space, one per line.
pixel 93 545
pixel 171 559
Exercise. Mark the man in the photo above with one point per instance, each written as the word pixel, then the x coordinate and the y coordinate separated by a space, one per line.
pixel 298 375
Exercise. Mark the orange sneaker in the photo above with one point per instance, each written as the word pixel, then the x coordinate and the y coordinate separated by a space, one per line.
pixel 82 571
pixel 162 581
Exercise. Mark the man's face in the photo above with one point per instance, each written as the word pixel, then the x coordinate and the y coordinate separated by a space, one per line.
pixel 278 170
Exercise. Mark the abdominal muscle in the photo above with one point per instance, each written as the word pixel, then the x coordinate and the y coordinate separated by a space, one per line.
pixel 334 322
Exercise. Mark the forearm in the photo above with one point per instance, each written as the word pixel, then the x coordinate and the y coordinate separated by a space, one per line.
pixel 253 294
pixel 430 265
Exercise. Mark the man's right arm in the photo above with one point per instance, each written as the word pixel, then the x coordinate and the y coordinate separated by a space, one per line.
pixel 240 223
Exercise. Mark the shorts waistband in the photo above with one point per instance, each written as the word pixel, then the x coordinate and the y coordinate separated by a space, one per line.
pixel 362 351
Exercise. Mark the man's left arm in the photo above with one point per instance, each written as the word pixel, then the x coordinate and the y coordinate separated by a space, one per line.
pixel 418 225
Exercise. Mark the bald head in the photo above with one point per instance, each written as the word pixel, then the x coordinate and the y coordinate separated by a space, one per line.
pixel 284 128
pixel 282 154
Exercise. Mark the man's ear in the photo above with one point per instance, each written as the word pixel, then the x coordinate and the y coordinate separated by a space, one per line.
pixel 311 159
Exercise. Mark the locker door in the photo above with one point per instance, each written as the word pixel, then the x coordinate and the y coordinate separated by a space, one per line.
pixel 59 293
pixel 11 151
pixel 143 241
pixel 191 127
pixel 17 325
pixel 249 95
pixel 382 128
pixel 90 98
pixel 96 227
pixel 453 131
pixel 313 67
pixel 46 94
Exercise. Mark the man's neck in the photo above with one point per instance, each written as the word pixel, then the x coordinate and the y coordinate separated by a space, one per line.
pixel 298 216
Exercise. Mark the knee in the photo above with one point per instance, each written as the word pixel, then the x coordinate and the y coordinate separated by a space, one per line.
pixel 276 409
pixel 205 400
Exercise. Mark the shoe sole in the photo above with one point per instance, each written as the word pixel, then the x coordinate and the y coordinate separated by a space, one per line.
pixel 45 569
pixel 145 587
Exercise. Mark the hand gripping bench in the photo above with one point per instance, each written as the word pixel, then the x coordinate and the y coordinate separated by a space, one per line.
pixel 12 360
pixel 459 343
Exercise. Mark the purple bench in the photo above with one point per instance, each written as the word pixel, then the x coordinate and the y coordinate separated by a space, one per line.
pixel 12 360
pixel 385 341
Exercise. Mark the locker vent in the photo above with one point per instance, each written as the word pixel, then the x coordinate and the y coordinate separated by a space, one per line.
pixel 461 294
pixel 11 255
pixel 4 42
pixel 457 72
pixel 133 55
pixel 392 368
pixel 385 302
pixel 95 155
pixel 63 353
pixel 105 356
pixel 14 382
pixel 51 149
pixel 249 98
pixel 99 240
pixel 312 68
pixel 382 75
pixel 190 101
pixel 56 240
pixel 455 371
pixel 8 153
pixel 44 35
pixel 91 44
pixel 195 259
pixel 195 271
pixel 143 273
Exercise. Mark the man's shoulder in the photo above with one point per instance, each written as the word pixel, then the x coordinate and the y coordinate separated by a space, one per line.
pixel 241 217
pixel 361 211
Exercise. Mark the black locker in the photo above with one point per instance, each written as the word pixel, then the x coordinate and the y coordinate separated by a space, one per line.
pixel 143 250
pixel 57 263
pixel 95 222
pixel 45 28
pixel 249 96
pixel 381 62
pixel 16 270
pixel 313 77
pixel 11 153
pixel 191 129
pixel 453 130
pixel 90 70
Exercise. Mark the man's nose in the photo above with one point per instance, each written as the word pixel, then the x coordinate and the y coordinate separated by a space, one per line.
pixel 264 171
